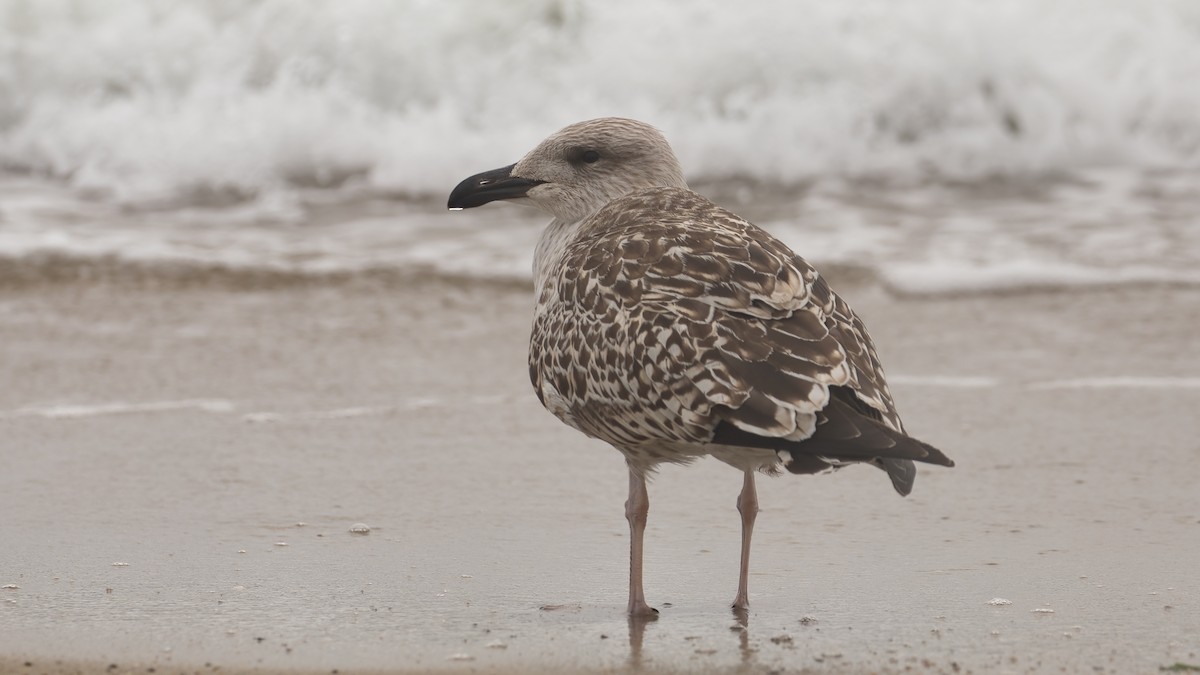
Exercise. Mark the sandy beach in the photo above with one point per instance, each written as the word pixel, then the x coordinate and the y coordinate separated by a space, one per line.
pixel 184 461
pixel 264 396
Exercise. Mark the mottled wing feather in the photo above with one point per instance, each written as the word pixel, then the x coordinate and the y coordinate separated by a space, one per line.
pixel 668 315
pixel 868 379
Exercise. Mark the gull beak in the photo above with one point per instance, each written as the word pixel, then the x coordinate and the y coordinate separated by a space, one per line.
pixel 489 186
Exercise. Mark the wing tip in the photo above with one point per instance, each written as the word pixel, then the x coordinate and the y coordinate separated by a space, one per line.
pixel 933 455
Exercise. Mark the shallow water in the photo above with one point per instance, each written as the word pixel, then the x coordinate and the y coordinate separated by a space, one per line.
pixel 940 147
pixel 1095 229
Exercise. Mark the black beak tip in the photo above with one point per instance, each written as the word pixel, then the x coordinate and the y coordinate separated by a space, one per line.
pixel 465 195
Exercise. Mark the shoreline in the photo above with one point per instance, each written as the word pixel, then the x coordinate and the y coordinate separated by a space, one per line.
pixel 33 272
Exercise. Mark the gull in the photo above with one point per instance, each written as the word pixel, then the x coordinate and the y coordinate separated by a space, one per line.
pixel 672 329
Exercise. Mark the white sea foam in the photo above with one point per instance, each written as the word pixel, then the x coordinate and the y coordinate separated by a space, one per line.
pixel 414 404
pixel 67 411
pixel 1108 382
pixel 222 406
pixel 271 135
pixel 1121 382
pixel 144 101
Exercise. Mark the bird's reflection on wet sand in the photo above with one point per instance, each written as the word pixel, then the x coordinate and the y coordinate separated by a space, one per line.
pixel 637 638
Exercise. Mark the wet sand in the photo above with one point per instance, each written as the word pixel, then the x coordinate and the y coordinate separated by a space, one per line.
pixel 219 439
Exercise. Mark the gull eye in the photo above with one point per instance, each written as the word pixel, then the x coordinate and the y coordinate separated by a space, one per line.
pixel 590 157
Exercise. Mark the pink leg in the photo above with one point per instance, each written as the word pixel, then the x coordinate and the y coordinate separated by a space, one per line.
pixel 636 509
pixel 747 505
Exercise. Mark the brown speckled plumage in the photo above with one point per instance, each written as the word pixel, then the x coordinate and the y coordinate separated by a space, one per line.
pixel 667 315
pixel 672 329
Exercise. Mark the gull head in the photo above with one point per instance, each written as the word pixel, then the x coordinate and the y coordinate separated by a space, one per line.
pixel 576 171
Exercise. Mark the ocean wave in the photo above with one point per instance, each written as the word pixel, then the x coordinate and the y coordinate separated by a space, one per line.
pixel 218 101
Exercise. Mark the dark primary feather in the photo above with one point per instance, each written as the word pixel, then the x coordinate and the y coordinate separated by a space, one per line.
pixel 842 434
pixel 847 431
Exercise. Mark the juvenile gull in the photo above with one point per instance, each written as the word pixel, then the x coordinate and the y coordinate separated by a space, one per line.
pixel 672 328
